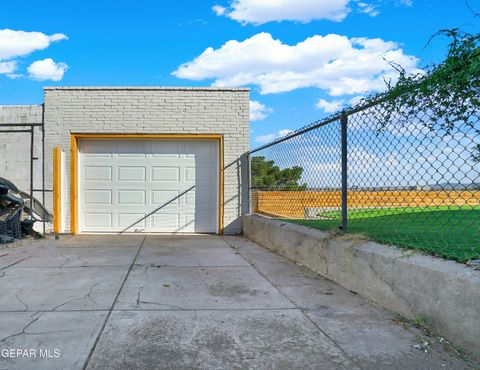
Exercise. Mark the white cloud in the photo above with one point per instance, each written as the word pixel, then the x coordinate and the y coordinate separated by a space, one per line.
pixel 47 69
pixel 333 63
pixel 258 12
pixel 356 100
pixel 408 3
pixel 263 11
pixel 265 139
pixel 284 132
pixel 329 106
pixel 15 44
pixel 367 8
pixel 14 76
pixel 20 43
pixel 58 37
pixel 258 111
pixel 8 67
pixel 219 10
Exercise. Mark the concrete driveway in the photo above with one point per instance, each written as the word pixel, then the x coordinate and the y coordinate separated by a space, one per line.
pixel 184 302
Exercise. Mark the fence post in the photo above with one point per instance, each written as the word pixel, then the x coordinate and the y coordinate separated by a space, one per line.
pixel 343 124
pixel 32 158
pixel 249 184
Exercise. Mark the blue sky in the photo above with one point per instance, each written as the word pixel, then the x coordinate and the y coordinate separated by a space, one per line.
pixel 296 72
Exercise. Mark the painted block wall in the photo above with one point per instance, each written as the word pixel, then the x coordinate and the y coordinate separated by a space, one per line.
pixel 155 110
pixel 15 147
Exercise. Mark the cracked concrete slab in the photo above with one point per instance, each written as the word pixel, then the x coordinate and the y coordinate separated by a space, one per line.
pixel 190 256
pixel 60 340
pixel 273 339
pixel 184 241
pixel 198 288
pixel 11 257
pixel 72 288
pixel 104 240
pixel 254 310
pixel 374 341
pixel 80 257
pixel 366 332
pixel 278 270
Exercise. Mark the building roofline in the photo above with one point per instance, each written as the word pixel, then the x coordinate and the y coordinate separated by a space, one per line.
pixel 20 105
pixel 165 88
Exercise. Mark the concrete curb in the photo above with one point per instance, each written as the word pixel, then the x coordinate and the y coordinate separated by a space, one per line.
pixel 413 285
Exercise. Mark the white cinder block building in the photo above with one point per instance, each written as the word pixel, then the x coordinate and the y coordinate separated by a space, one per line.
pixel 146 159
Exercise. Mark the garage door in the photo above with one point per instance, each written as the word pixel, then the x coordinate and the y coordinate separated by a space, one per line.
pixel 140 185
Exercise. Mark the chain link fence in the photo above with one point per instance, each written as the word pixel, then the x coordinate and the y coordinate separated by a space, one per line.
pixel 410 182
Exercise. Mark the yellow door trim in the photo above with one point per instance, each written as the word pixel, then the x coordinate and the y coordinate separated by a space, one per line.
pixel 74 167
pixel 57 190
pixel 220 185
pixel 73 184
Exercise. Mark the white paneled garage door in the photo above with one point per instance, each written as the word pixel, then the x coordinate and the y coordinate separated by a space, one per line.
pixel 148 185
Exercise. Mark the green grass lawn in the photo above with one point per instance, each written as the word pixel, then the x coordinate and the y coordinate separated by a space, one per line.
pixel 449 232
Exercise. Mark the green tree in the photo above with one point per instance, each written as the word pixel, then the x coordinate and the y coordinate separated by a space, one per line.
pixel 267 176
pixel 448 91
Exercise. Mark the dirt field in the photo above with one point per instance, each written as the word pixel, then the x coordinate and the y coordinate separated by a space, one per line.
pixel 292 204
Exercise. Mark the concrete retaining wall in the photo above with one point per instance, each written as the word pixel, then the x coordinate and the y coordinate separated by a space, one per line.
pixel 413 285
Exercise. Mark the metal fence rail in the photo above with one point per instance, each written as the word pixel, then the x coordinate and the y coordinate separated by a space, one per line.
pixel 29 128
pixel 409 182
